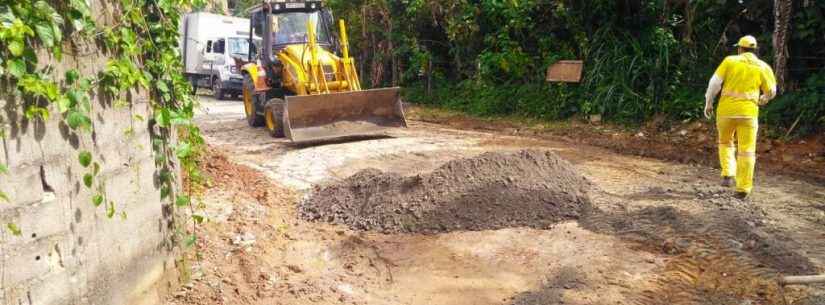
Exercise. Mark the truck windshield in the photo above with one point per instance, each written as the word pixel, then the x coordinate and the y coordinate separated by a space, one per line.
pixel 291 28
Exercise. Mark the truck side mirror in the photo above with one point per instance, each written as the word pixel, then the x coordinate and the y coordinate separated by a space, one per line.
pixel 208 46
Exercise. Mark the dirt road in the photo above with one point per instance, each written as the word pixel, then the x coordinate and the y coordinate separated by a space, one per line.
pixel 659 233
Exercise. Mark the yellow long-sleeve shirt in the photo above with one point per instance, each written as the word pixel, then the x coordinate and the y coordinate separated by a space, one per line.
pixel 743 76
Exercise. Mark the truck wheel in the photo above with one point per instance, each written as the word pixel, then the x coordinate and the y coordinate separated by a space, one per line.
pixel 250 103
pixel 275 117
pixel 217 89
pixel 194 82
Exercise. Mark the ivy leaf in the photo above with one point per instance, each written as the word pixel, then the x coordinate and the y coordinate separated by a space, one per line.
pixel 87 180
pixel 16 47
pixel 84 84
pixel 97 200
pixel 182 200
pixel 4 197
pixel 45 33
pixel 161 86
pixel 198 218
pixel 76 120
pixel 14 229
pixel 81 7
pixel 123 215
pixel 85 158
pixel 165 191
pixel 58 34
pixel 3 169
pixel 16 67
pixel 57 52
pixel 72 76
pixel 79 97
pixel 95 168
pixel 165 176
pixel 85 102
pixel 37 112
pixel 163 118
pixel 183 150
pixel 74 96
pixel 37 85
pixel 64 104
pixel 110 210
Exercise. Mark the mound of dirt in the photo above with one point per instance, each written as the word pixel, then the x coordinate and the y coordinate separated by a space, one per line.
pixel 494 190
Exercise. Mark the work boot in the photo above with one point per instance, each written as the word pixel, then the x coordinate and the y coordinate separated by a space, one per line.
pixel 728 181
pixel 742 195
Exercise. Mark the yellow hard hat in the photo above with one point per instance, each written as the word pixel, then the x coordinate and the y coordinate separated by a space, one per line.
pixel 747 42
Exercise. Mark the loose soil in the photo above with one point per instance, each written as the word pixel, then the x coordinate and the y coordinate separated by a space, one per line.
pixel 492 191
pixel 658 232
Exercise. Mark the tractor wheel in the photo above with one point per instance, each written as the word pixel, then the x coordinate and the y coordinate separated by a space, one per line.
pixel 275 117
pixel 251 104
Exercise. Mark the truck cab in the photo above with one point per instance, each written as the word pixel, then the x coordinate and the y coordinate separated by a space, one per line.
pixel 214 48
pixel 222 61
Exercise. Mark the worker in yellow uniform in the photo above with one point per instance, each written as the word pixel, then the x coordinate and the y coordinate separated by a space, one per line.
pixel 746 82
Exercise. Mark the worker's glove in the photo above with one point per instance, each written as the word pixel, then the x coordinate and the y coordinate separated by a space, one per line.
pixel 708 110
pixel 763 100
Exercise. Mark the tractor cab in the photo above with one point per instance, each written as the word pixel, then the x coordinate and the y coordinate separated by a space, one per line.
pixel 285 23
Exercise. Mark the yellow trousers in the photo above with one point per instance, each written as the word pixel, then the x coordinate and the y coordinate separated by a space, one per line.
pixel 741 159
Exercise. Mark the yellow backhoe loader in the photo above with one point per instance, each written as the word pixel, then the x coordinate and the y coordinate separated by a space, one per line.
pixel 296 84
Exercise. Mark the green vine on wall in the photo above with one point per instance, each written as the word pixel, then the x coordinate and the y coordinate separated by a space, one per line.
pixel 143 49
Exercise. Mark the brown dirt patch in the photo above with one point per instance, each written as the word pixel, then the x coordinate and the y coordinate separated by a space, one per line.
pixel 492 191
pixel 222 173
pixel 227 262
pixel 691 142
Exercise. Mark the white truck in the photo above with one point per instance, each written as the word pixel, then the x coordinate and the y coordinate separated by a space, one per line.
pixel 213 47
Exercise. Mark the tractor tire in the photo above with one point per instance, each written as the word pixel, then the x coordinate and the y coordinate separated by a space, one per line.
pixel 217 89
pixel 275 117
pixel 251 103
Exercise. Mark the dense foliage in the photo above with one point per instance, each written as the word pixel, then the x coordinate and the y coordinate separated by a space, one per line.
pixel 642 57
pixel 143 60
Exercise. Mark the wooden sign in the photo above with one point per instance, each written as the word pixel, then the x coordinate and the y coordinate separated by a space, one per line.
pixel 567 71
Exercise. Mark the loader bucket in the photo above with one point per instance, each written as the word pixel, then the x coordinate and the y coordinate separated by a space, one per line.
pixel 312 118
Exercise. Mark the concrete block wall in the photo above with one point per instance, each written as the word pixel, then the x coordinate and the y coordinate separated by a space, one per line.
pixel 70 252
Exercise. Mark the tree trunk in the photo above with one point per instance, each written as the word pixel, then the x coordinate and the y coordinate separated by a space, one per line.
pixel 782 19
pixel 429 75
pixel 690 17
pixel 391 46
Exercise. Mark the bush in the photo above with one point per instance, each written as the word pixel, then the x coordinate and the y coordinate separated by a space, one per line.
pixel 805 108
pixel 642 57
